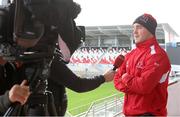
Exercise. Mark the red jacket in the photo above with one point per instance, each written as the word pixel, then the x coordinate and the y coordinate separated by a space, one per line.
pixel 145 83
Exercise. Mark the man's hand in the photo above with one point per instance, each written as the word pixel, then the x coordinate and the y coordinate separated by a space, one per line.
pixel 19 93
pixel 109 75
pixel 124 75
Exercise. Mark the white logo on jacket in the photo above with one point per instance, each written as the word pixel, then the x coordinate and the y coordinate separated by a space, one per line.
pixel 140 65
pixel 164 77
pixel 153 51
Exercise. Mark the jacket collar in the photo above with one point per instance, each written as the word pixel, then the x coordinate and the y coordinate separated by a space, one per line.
pixel 147 43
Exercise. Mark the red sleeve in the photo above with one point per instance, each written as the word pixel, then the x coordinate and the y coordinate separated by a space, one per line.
pixel 155 71
pixel 118 84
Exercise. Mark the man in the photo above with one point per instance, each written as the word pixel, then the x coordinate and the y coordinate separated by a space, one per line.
pixel 143 76
pixel 62 77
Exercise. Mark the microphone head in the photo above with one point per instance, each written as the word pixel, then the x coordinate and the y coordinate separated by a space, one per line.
pixel 118 61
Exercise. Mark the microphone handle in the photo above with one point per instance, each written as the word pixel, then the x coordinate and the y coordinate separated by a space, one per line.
pixel 114 68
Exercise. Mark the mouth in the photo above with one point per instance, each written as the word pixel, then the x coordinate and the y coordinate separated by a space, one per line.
pixel 136 36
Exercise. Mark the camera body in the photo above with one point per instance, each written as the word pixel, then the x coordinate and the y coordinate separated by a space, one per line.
pixel 33 25
pixel 29 32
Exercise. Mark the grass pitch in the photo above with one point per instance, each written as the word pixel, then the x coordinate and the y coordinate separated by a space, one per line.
pixel 80 102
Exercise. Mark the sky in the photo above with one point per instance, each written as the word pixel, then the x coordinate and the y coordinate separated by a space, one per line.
pixel 124 12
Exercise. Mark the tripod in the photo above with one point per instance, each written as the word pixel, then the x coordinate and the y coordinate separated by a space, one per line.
pixel 41 101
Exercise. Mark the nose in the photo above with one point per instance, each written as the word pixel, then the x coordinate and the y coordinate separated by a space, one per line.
pixel 134 31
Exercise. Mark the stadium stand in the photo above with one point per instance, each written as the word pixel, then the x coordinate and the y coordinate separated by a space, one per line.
pixel 90 55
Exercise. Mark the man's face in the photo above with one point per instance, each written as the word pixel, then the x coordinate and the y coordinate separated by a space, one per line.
pixel 140 33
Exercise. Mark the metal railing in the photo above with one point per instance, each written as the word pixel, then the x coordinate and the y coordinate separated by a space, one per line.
pixel 106 107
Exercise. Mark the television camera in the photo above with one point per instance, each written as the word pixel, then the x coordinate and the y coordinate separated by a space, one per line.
pixel 29 33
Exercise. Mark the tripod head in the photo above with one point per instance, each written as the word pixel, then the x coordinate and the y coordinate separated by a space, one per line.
pixel 36 68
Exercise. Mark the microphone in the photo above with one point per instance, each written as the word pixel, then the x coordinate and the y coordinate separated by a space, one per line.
pixel 118 62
